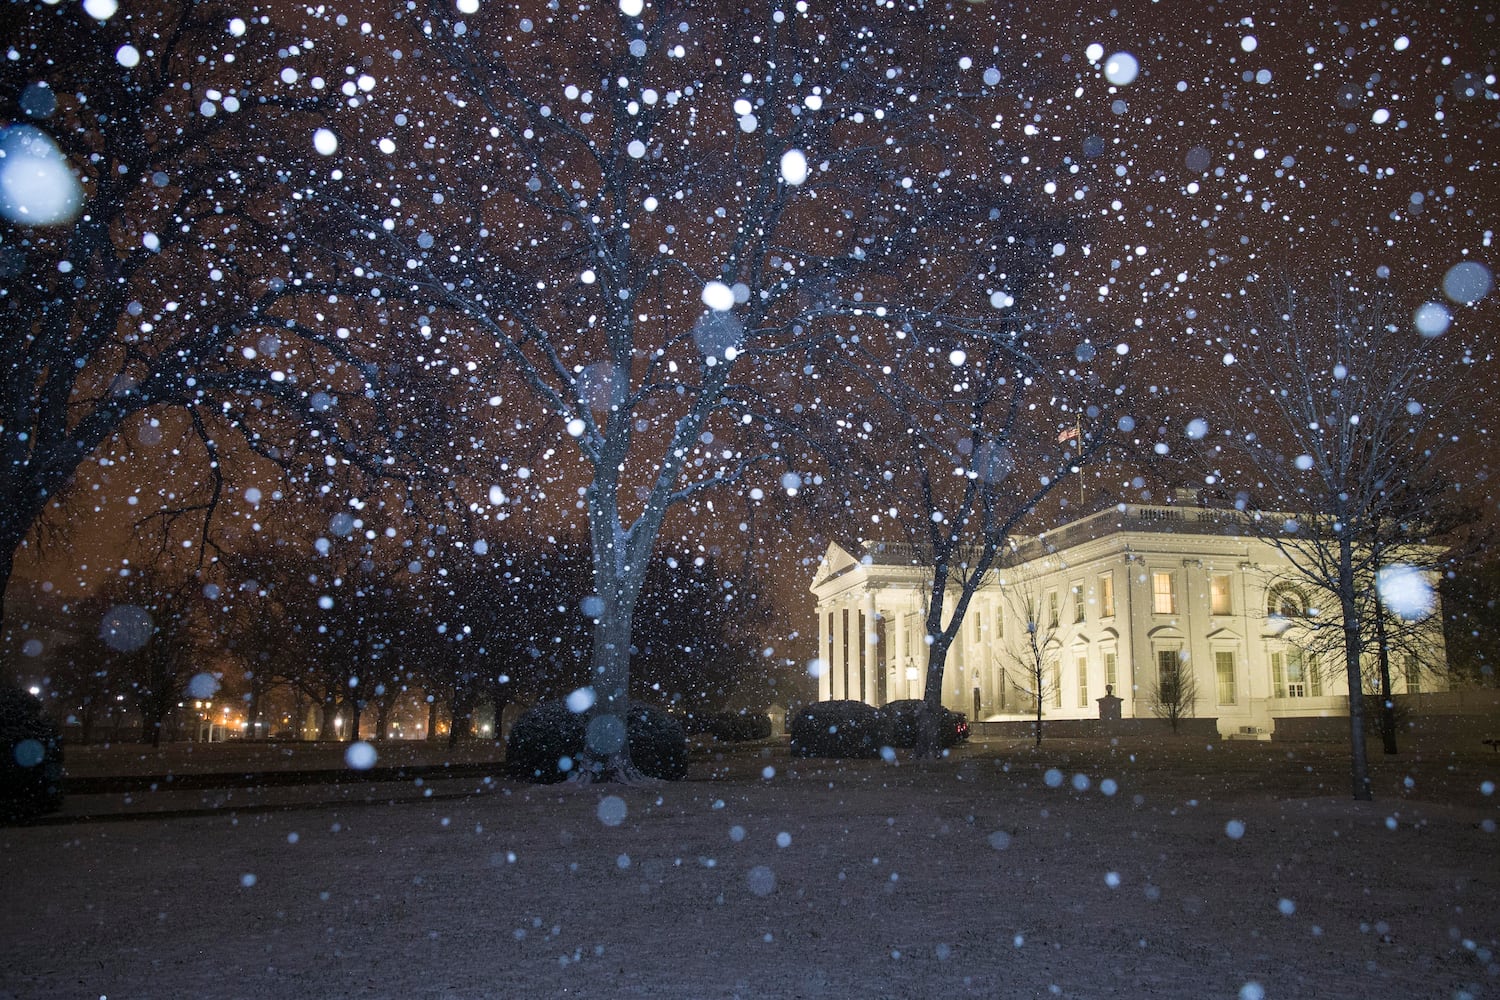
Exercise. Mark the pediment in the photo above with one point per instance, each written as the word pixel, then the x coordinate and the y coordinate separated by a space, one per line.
pixel 836 560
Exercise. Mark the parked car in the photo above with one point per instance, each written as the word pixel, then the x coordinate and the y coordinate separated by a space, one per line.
pixel 31 763
pixel 903 717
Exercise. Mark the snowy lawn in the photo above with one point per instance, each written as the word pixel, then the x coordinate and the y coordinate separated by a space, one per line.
pixel 1079 869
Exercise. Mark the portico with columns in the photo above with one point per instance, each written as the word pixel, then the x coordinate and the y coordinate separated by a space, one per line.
pixel 1120 596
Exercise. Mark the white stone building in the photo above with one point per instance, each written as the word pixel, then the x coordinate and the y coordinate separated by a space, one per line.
pixel 1116 596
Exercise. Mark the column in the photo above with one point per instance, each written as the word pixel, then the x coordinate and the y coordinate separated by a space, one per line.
pixel 839 662
pixel 825 653
pixel 897 628
pixel 867 638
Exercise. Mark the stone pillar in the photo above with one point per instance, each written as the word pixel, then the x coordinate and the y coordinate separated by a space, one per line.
pixel 825 654
pixel 896 630
pixel 836 661
pixel 867 638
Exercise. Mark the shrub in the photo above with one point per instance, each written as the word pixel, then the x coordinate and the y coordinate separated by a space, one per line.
pixel 904 718
pixel 658 745
pixel 838 729
pixel 31 748
pixel 549 732
pixel 740 727
pixel 693 721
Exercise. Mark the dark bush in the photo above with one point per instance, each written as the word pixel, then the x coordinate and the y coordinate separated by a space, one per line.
pixel 903 722
pixel 694 721
pixel 31 768
pixel 838 729
pixel 549 732
pixel 658 745
pixel 740 727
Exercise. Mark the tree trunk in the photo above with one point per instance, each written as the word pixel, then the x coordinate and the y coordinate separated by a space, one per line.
pixel 326 729
pixel 462 722
pixel 619 572
pixel 355 704
pixel 1383 658
pixel 153 720
pixel 382 719
pixel 930 718
pixel 12 534
pixel 299 712
pixel 255 729
pixel 86 716
pixel 432 718
pixel 929 738
pixel 500 699
pixel 1359 770
pixel 1038 677
pixel 606 753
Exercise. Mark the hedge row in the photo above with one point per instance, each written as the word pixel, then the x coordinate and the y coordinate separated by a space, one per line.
pixel 30 758
pixel 855 729
pixel 546 743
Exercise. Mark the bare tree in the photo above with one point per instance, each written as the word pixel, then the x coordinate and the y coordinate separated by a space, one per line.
pixel 149 316
pixel 639 240
pixel 1337 416
pixel 156 635
pixel 960 445
pixel 1034 649
pixel 1173 693
pixel 1471 603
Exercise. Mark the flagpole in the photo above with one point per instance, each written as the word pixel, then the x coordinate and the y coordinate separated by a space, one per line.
pixel 1078 436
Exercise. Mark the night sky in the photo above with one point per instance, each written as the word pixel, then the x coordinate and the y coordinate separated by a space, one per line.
pixel 1200 150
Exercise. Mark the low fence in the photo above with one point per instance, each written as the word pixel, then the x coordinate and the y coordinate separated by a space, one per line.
pixel 1094 729
pixel 1452 718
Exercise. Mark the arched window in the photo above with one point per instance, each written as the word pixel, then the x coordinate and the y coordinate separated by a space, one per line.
pixel 1286 600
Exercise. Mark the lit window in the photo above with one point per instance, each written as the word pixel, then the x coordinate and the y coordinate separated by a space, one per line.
pixel 1295 675
pixel 1078 602
pixel 1163 594
pixel 1168 663
pixel 1224 667
pixel 1052 617
pixel 1083 682
pixel 1218 594
pixel 1286 601
pixel 1413 675
pixel 1107 595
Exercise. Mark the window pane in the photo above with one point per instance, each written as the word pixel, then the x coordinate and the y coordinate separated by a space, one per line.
pixel 1218 591
pixel 1163 598
pixel 1166 666
pixel 1083 682
pixel 1413 675
pixel 1224 666
pixel 1107 595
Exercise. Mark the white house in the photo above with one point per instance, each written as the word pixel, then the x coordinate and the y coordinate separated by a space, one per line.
pixel 1116 597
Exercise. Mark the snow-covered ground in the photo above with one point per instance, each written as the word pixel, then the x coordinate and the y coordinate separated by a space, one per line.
pixel 1076 870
